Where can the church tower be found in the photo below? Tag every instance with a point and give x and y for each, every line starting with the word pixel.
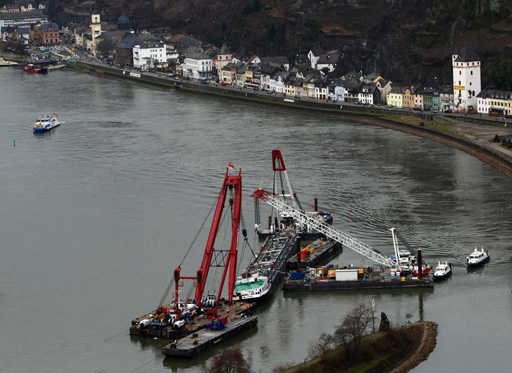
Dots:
pixel 466 79
pixel 123 26
pixel 95 28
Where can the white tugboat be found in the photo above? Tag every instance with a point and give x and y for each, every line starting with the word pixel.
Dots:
pixel 443 270
pixel 478 257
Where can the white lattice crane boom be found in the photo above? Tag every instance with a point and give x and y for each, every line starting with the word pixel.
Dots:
pixel 315 222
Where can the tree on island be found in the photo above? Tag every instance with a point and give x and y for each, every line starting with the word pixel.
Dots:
pixel 353 328
pixel 230 361
pixel 348 334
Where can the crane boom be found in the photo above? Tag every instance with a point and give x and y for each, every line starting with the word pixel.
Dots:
pixel 231 182
pixel 311 221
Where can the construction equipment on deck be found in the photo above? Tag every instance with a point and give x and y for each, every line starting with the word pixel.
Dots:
pixel 315 222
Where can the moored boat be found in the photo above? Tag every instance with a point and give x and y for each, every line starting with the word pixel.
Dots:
pixel 31 68
pixel 265 271
pixel 478 257
pixel 7 63
pixel 46 123
pixel 443 270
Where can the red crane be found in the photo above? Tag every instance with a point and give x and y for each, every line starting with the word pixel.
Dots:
pixel 219 258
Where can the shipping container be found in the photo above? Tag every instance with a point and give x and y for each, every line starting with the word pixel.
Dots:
pixel 346 274
pixel 297 275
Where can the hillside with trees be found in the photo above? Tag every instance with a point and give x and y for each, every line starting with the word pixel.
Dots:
pixel 404 40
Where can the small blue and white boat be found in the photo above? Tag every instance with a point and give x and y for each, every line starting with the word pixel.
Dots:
pixel 478 257
pixel 443 270
pixel 46 123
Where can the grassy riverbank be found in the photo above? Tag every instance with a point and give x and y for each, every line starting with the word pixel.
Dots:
pixel 397 350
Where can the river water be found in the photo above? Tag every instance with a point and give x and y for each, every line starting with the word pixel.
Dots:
pixel 96 214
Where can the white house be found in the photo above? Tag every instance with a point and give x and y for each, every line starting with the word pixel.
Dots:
pixel 466 79
pixel 197 65
pixel 328 61
pixel 149 54
pixel 483 102
pixel 314 56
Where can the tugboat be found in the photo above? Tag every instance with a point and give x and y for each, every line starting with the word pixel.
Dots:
pixel 443 270
pixel 478 257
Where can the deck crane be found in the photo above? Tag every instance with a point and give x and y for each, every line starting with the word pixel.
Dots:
pixel 282 188
pixel 215 257
pixel 316 223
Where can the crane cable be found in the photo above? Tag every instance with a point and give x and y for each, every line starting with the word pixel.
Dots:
pixel 160 304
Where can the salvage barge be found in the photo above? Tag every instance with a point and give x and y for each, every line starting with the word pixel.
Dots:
pixel 225 318
pixel 150 325
pixel 376 277
pixel 213 333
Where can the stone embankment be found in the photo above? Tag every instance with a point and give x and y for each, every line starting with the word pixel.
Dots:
pixel 427 345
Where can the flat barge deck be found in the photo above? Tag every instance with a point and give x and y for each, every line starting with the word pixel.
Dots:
pixel 198 322
pixel 208 337
pixel 316 253
pixel 383 278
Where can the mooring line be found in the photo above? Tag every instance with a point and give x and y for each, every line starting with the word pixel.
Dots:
pixel 117 335
pixel 143 365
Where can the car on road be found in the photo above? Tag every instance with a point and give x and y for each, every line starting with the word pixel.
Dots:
pixel 447 111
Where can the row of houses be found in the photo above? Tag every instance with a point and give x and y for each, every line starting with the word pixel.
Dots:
pixel 22 6
pixel 315 75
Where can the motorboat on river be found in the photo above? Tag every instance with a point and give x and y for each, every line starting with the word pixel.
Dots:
pixel 478 257
pixel 7 63
pixel 443 270
pixel 46 123
pixel 33 68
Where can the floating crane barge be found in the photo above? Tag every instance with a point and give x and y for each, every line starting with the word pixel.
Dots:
pixel 213 318
pixel 389 274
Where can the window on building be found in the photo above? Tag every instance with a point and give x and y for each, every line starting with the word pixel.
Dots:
pixel 471 72
pixel 460 72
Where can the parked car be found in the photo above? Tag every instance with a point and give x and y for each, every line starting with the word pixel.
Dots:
pixel 447 111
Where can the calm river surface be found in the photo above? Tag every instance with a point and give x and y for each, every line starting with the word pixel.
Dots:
pixel 96 214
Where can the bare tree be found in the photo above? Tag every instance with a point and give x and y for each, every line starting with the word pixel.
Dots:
pixel 230 361
pixel 353 327
pixel 324 344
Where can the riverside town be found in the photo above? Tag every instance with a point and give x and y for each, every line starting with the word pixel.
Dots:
pixel 111 145
pixel 316 75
